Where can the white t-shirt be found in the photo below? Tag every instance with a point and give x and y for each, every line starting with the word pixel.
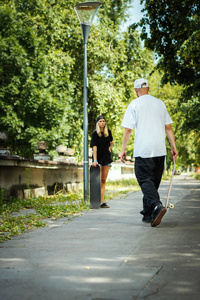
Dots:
pixel 148 115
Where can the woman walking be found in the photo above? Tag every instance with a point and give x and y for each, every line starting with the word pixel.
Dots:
pixel 102 143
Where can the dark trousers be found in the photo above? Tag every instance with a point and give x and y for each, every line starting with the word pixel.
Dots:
pixel 149 172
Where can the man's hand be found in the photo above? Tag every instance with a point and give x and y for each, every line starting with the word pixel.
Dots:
pixel 123 156
pixel 170 134
pixel 174 154
pixel 126 137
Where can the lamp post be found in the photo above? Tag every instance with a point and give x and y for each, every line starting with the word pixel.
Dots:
pixel 86 12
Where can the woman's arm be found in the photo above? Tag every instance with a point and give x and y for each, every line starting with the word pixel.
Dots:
pixel 95 162
pixel 111 145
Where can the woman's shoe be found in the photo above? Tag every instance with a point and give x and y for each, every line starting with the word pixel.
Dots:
pixel 104 205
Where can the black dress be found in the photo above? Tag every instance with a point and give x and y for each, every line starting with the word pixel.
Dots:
pixel 102 143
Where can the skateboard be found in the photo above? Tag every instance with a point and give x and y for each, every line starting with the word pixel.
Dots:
pixel 95 187
pixel 170 205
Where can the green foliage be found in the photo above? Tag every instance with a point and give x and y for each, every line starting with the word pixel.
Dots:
pixel 173 27
pixel 111 88
pixel 174 35
pixel 197 176
pixel 41 72
pixel 35 98
pixel 187 141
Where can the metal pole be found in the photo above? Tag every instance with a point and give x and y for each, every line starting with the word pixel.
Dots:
pixel 86 12
pixel 85 128
pixel 85 30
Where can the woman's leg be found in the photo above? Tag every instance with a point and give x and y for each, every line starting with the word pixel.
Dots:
pixel 104 175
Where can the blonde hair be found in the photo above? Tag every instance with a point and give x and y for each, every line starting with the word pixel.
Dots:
pixel 105 130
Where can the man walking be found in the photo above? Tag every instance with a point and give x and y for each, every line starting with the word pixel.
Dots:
pixel 149 116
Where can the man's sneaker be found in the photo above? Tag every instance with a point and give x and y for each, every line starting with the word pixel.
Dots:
pixel 147 219
pixel 157 215
pixel 104 205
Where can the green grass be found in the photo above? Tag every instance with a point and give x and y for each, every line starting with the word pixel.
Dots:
pixel 17 216
pixel 120 188
pixel 123 182
pixel 197 176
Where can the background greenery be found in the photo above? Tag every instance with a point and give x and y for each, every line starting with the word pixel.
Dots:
pixel 41 71
pixel 172 30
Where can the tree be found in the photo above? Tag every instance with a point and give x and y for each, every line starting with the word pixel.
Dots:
pixel 187 141
pixel 174 34
pixel 112 87
pixel 41 71
pixel 34 72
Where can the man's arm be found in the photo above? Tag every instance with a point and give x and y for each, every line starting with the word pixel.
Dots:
pixel 127 134
pixel 171 138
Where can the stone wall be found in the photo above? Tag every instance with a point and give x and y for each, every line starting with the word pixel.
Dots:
pixel 21 177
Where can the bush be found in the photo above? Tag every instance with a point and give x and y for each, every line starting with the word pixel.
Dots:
pixel 197 176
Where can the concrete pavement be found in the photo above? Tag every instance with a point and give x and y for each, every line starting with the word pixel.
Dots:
pixel 109 254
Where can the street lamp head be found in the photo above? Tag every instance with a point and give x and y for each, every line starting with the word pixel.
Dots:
pixel 86 11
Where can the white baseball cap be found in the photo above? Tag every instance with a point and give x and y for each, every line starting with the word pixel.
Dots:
pixel 139 82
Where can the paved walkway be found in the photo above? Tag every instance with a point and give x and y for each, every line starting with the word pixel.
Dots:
pixel 109 254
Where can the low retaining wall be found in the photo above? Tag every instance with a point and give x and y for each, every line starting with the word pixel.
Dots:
pixel 21 177
pixel 120 170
